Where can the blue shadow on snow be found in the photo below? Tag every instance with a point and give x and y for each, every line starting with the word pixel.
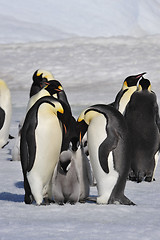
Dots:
pixel 11 197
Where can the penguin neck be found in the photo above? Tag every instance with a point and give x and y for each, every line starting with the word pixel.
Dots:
pixel 126 98
pixel 37 96
pixel 5 95
pixel 46 108
pixel 90 115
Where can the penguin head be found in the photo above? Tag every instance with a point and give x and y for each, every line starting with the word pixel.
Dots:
pixel 3 85
pixel 82 126
pixel 53 87
pixel 65 161
pixel 132 81
pixel 84 120
pixel 57 106
pixel 144 84
pixel 41 76
pixel 59 109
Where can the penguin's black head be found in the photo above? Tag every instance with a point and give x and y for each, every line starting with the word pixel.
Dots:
pixel 82 127
pixel 64 166
pixel 41 76
pixel 144 84
pixel 53 87
pixel 133 80
pixel 38 78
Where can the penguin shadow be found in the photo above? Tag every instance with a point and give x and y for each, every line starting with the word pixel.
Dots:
pixel 91 199
pixel 11 197
pixel 19 184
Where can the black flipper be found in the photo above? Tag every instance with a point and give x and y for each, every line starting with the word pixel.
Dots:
pixel 2 117
pixel 28 144
pixel 117 99
pixel 108 145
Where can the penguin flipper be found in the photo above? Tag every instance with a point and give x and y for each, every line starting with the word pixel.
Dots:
pixel 2 117
pixel 24 152
pixel 108 145
pixel 28 148
pixel 157 117
pixel 115 104
pixel 31 144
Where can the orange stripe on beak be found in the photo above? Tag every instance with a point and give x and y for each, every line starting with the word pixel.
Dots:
pixel 65 129
pixel 80 137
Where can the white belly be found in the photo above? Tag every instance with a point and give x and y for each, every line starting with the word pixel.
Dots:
pixel 105 182
pixel 48 145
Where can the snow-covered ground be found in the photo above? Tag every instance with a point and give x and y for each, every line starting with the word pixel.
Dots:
pixel 91 66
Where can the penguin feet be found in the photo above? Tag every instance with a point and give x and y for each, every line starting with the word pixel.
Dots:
pixel 92 199
pixel 28 199
pixel 149 179
pixel 47 201
pixel 139 176
pixel 82 200
pixel 72 202
pixel 61 203
pixel 132 176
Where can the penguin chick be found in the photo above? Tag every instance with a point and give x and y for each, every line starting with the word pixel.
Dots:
pixel 5 113
pixel 142 117
pixel 40 77
pixel 66 185
pixel 128 88
pixel 84 171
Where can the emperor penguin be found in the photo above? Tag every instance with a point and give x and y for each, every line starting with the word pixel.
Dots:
pixel 40 78
pixel 40 146
pixel 128 88
pixel 108 146
pixel 142 117
pixel 66 183
pixel 5 113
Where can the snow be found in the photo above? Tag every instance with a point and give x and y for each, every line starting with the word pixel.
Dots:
pixel 90 48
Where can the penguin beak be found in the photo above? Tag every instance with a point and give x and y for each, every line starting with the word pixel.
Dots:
pixel 61 110
pixel 140 75
pixel 46 84
pixel 59 89
pixel 80 138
